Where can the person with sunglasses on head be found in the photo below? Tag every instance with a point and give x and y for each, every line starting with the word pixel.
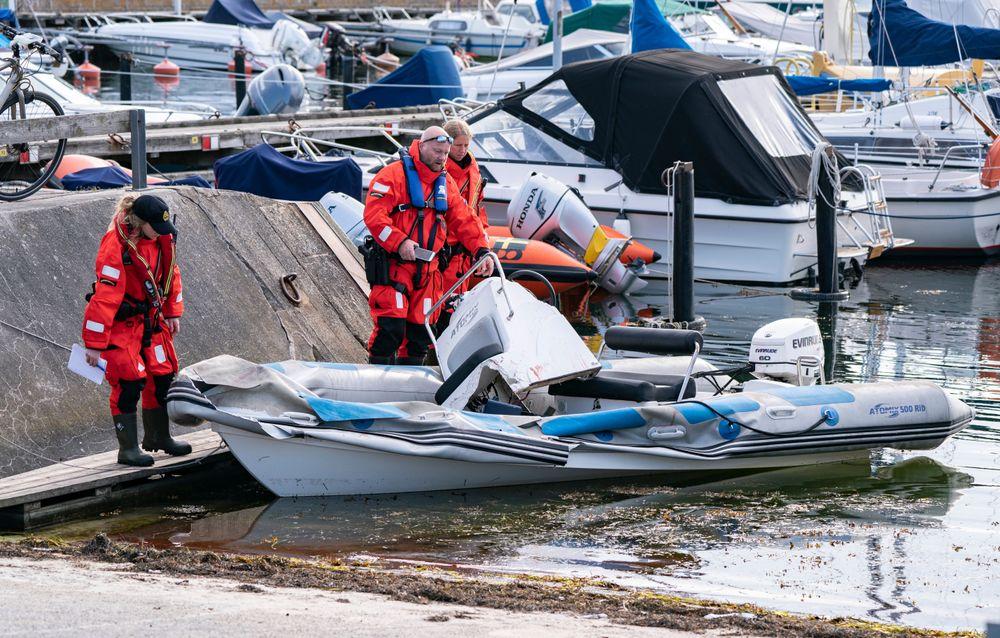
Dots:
pixel 130 321
pixel 412 206
pixel 463 168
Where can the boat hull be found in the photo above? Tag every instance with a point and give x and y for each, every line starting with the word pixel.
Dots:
pixel 305 467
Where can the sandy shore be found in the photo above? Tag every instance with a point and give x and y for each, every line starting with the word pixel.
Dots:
pixel 109 589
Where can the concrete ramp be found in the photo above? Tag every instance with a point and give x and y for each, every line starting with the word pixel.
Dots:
pixel 234 250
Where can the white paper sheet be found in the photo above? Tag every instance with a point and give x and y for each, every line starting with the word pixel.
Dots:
pixel 78 364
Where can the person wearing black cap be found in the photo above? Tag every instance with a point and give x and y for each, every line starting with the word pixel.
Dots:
pixel 131 318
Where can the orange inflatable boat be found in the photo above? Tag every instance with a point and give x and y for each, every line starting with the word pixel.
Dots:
pixel 562 270
pixel 635 250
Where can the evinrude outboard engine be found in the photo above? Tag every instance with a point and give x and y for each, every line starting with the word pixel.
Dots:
pixel 546 209
pixel 291 42
pixel 277 90
pixel 788 350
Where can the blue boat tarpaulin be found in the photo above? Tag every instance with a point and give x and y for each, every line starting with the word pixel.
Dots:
pixel 104 177
pixel 7 16
pixel 427 77
pixel 808 85
pixel 900 36
pixel 543 13
pixel 579 5
pixel 242 12
pixel 264 171
pixel 650 30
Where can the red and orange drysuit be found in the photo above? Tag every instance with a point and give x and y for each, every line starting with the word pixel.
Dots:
pixel 470 186
pixel 138 287
pixel 398 309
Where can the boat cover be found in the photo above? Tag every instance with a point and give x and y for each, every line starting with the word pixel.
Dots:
pixel 427 77
pixel 650 30
pixel 104 177
pixel 749 138
pixel 900 36
pixel 242 12
pixel 811 85
pixel 614 16
pixel 264 171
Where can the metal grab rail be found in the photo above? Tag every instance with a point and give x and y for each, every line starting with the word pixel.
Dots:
pixel 944 159
pixel 471 271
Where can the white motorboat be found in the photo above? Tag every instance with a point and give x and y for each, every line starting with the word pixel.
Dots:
pixel 320 429
pixel 481 32
pixel 75 101
pixel 749 139
pixel 709 34
pixel 486 82
pixel 930 152
pixel 209 44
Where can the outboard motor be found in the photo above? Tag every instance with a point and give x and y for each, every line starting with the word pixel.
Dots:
pixel 546 209
pixel 277 90
pixel 290 41
pixel 348 213
pixel 788 350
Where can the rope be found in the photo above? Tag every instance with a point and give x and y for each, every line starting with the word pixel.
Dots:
pixel 503 42
pixel 36 336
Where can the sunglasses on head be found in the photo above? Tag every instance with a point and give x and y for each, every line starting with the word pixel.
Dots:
pixel 440 138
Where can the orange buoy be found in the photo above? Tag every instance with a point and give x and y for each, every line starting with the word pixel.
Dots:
pixel 562 270
pixel 247 68
pixel 167 75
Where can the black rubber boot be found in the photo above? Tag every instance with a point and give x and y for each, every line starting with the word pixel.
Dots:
pixel 411 361
pixel 156 433
pixel 126 429
pixel 381 361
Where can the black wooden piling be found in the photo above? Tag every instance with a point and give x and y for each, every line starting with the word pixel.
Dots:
pixel 827 277
pixel 125 78
pixel 239 71
pixel 682 261
pixel 347 71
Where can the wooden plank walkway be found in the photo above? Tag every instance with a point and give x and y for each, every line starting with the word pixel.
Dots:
pixel 58 492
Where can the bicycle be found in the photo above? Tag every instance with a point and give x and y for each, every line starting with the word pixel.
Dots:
pixel 26 166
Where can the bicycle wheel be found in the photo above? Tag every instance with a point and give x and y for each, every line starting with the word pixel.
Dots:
pixel 25 167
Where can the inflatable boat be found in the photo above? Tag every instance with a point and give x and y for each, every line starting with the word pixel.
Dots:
pixel 518 399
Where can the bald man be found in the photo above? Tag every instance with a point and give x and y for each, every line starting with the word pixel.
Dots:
pixel 412 206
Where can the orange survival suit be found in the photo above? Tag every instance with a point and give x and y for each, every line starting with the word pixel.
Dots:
pixel 470 187
pixel 394 211
pixel 138 286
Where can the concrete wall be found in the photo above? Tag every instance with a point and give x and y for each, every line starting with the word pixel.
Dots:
pixel 233 250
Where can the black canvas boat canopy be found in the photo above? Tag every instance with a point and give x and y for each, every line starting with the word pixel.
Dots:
pixel 750 140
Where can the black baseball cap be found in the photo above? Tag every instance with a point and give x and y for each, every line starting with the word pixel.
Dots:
pixel 153 210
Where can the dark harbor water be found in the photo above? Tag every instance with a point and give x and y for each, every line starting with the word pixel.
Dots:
pixel 911 538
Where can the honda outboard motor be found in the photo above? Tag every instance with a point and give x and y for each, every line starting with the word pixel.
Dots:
pixel 548 210
pixel 290 41
pixel 277 90
pixel 788 350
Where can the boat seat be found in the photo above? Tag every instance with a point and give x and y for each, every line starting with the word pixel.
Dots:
pixel 659 341
pixel 606 385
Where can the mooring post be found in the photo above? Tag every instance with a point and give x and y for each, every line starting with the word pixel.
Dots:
pixel 682 263
pixel 333 62
pixel 826 245
pixel 347 73
pixel 240 72
pixel 137 139
pixel 125 77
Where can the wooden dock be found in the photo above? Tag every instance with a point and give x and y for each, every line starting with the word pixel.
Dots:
pixel 75 487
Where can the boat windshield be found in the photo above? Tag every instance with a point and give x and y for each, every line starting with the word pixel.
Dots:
pixel 556 104
pixel 777 122
pixel 501 136
pixel 579 54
